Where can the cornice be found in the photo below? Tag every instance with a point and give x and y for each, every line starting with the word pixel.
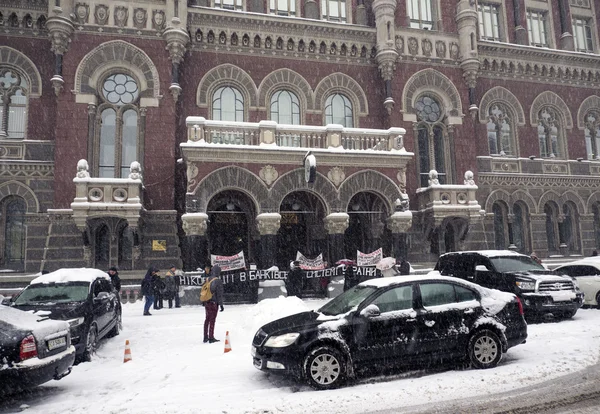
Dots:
pixel 536 181
pixel 26 169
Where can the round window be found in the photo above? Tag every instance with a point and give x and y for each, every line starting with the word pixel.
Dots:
pixel 428 109
pixel 120 89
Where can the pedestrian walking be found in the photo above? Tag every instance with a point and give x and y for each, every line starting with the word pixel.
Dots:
pixel 172 287
pixel 113 272
pixel 211 297
pixel 147 290
pixel 158 287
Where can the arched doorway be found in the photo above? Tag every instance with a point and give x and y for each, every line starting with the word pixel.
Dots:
pixel 366 230
pixel 301 228
pixel 12 221
pixel 231 217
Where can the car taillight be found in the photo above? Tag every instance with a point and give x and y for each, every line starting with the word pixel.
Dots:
pixel 520 306
pixel 28 348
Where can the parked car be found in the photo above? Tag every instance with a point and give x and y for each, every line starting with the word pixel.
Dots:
pixel 33 350
pixel 392 322
pixel 83 297
pixel 587 274
pixel 541 291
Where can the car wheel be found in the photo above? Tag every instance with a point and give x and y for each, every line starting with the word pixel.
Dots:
pixel 485 349
pixel 90 343
pixel 325 368
pixel 117 328
pixel 568 314
pixel 598 300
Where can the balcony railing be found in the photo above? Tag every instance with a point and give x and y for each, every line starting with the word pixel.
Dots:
pixel 267 133
pixel 537 165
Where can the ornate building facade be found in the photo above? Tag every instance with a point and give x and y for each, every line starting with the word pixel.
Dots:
pixel 146 132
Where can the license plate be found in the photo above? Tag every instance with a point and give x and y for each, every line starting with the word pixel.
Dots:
pixel 57 343
pixel 253 351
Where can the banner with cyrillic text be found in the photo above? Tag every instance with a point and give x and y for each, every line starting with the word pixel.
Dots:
pixel 369 259
pixel 227 263
pixel 310 264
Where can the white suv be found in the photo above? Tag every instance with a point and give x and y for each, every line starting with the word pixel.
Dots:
pixel 587 273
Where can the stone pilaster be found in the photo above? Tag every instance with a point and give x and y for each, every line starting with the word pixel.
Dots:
pixel 399 224
pixel 387 55
pixel 195 226
pixel 268 225
pixel 466 20
pixel 177 40
pixel 60 29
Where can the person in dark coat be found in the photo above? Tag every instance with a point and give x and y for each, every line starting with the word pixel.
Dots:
pixel 404 267
pixel 212 306
pixel 148 290
pixel 171 288
pixel 350 277
pixel 158 286
pixel 294 280
pixel 113 272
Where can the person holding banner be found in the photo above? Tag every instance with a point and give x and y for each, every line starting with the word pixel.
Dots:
pixel 212 305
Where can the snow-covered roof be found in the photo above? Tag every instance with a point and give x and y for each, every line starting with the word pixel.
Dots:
pixel 71 275
pixel 491 253
pixel 40 327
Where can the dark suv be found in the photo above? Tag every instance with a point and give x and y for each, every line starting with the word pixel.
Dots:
pixel 83 297
pixel 542 291
pixel 389 322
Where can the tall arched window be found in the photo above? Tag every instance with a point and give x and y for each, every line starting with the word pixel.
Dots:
pixel 119 130
pixel 499 130
pixel 520 227
pixel 285 108
pixel 13 221
pixel 592 134
pixel 570 228
pixel 501 232
pixel 228 105
pixel 552 233
pixel 13 103
pixel 431 139
pixel 102 247
pixel 596 210
pixel 549 133
pixel 338 110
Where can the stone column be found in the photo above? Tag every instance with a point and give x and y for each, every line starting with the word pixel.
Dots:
pixel 336 224
pixel 177 40
pixel 511 237
pixel 384 11
pixel 399 223
pixel 268 225
pixel 195 226
pixel 60 29
pixel 520 22
pixel 566 38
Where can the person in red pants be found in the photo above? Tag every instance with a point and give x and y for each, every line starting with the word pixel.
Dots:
pixel 212 301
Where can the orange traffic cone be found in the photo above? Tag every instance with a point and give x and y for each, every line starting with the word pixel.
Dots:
pixel 127 356
pixel 227 343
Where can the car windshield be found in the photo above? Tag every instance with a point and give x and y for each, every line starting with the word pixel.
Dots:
pixel 516 264
pixel 348 300
pixel 54 293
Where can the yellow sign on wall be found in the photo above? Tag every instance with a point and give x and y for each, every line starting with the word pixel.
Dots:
pixel 159 245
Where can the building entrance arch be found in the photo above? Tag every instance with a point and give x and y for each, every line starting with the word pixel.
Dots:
pixel 366 230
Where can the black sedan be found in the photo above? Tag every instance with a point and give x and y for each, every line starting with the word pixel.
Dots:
pixel 33 350
pixel 389 322
pixel 85 298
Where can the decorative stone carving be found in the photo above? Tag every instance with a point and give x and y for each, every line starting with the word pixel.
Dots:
pixel 401 176
pixel 413 46
pixel 83 169
pixel 454 50
pixel 268 223
pixel 268 174
pixel 433 178
pixel 427 47
pixel 158 19
pixel 400 45
pixel 194 224
pixel 337 223
pixel 135 171
pixel 101 14
pixel 469 178
pixel 121 16
pixel 192 173
pixel 82 13
pixel 336 175
pixel 140 17
pixel 440 49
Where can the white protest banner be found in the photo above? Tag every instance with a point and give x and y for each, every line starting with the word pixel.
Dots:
pixel 310 264
pixel 369 259
pixel 229 262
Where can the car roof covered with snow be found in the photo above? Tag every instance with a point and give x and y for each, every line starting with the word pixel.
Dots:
pixel 70 275
pixel 490 253
pixel 38 325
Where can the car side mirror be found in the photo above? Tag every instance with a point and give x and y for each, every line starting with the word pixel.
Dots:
pixel 370 311
pixel 102 296
pixel 481 268
pixel 6 301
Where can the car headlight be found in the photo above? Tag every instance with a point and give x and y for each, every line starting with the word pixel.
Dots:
pixel 73 323
pixel 281 341
pixel 525 285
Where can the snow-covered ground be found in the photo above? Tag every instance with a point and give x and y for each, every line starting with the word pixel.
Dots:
pixel 172 371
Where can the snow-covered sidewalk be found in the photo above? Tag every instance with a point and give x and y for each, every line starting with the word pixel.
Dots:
pixel 172 371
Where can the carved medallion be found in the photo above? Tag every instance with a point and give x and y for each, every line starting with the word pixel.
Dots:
pixel 400 45
pixel 101 14
pixel 454 50
pixel 336 175
pixel 427 47
pixel 121 15
pixel 140 16
pixel 268 174
pixel 440 49
pixel 413 46
pixel 158 19
pixel 192 172
pixel 82 13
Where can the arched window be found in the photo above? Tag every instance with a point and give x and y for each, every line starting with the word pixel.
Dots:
pixel 285 108
pixel 13 222
pixel 119 130
pixel 520 228
pixel 13 103
pixel 570 228
pixel 102 247
pixel 552 233
pixel 592 134
pixel 126 242
pixel 501 231
pixel 499 130
pixel 549 133
pixel 228 105
pixel 596 210
pixel 431 140
pixel 338 110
